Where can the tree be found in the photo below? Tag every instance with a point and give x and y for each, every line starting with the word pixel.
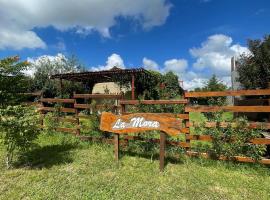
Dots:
pixel 18 130
pixel 158 86
pixel 18 124
pixel 12 81
pixel 213 84
pixel 254 69
pixel 45 66
pixel 171 85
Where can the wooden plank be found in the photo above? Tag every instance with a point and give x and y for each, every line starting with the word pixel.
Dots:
pixel 236 158
pixel 227 108
pixel 54 100
pixel 139 122
pixel 83 106
pixel 104 106
pixel 228 93
pixel 253 125
pixel 162 151
pixel 181 116
pixel 69 130
pixel 52 109
pixel 97 96
pixel 116 147
pixel 32 93
pixel 152 102
pixel 263 141
pixel 99 106
pixel 46 109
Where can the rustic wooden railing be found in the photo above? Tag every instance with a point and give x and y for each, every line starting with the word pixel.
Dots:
pixel 244 109
pixel 75 107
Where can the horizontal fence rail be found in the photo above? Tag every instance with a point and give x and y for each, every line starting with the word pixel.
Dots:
pixel 98 96
pixel 56 100
pixel 255 109
pixel 228 93
pixel 254 125
pixel 265 141
pixel 74 107
pixel 152 102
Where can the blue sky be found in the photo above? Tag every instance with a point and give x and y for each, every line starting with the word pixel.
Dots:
pixel 193 38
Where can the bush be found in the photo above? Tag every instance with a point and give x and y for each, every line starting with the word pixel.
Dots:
pixel 18 129
pixel 233 140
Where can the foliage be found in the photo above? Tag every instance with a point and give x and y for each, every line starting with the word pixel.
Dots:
pixel 51 119
pixel 12 81
pixel 254 68
pixel 171 86
pixel 174 108
pixel 19 127
pixel 44 68
pixel 154 85
pixel 232 140
pixel 213 84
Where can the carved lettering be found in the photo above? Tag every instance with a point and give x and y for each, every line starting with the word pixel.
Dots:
pixel 135 122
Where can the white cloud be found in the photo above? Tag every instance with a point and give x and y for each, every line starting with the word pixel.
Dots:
pixel 194 83
pixel 215 54
pixel 113 60
pixel 176 65
pixel 18 39
pixel 150 64
pixel 84 16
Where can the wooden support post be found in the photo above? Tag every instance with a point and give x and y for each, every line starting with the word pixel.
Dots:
pixel 133 86
pixel 116 147
pixel 78 131
pixel 162 151
pixel 187 121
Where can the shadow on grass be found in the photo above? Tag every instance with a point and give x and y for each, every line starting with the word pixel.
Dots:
pixel 46 156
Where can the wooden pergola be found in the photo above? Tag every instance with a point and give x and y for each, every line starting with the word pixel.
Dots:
pixel 90 78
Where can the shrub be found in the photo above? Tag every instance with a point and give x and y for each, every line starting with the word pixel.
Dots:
pixel 18 129
pixel 233 140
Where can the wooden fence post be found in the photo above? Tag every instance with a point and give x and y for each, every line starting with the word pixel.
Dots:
pixel 116 147
pixel 78 131
pixel 162 151
pixel 187 122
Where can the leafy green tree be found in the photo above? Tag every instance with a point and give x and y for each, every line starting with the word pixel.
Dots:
pixel 18 124
pixel 44 68
pixel 18 130
pixel 254 69
pixel 158 86
pixel 213 84
pixel 171 86
pixel 12 81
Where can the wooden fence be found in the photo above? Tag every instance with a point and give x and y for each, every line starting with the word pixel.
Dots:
pixel 242 109
pixel 74 107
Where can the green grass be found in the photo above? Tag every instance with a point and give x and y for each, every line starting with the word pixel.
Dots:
pixel 65 168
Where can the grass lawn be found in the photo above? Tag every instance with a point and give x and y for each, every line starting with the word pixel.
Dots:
pixel 65 168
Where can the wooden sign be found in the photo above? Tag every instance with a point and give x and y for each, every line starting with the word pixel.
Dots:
pixel 138 122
